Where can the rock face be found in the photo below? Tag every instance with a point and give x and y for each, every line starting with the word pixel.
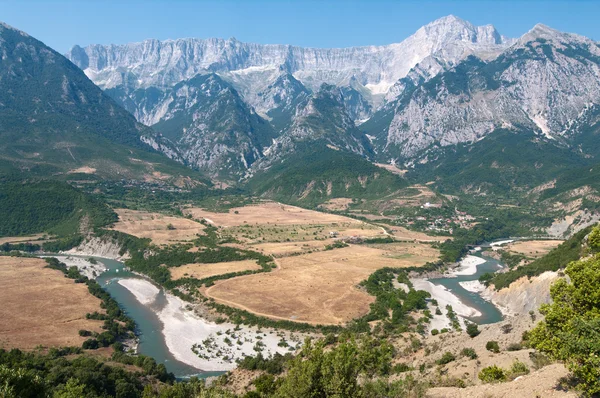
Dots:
pixel 546 82
pixel 212 127
pixel 449 84
pixel 154 63
pixel 54 119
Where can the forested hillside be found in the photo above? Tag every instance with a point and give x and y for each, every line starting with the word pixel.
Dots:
pixel 28 207
pixel 317 173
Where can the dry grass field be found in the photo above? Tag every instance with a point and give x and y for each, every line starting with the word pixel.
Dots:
pixel 320 287
pixel 155 226
pixel 268 213
pixel 22 239
pixel 533 248
pixel 402 233
pixel 201 271
pixel 284 249
pixel 42 307
pixel 336 204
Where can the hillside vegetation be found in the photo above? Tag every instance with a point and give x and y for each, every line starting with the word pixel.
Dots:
pixel 48 206
pixel 316 174
pixel 558 258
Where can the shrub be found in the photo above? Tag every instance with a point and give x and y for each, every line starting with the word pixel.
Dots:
pixel 514 347
pixel 446 358
pixel 539 360
pixel 473 329
pixel 517 369
pixel 85 333
pixel 435 332
pixel 401 368
pixel 492 374
pixel 444 330
pixel 506 328
pixel 492 346
pixel 90 344
pixel 469 353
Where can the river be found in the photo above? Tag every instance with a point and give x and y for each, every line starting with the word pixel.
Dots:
pixel 149 328
pixel 489 312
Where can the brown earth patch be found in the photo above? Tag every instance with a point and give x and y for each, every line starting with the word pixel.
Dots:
pixel 533 248
pixel 21 239
pixel 267 213
pixel 155 226
pixel 336 204
pixel 318 288
pixel 40 306
pixel 200 271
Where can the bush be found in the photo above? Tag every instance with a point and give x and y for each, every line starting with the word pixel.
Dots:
pixel 446 358
pixel 85 333
pixel 90 344
pixel 492 374
pixel 539 360
pixel 435 332
pixel 506 328
pixel 473 329
pixel 401 368
pixel 514 347
pixel 517 369
pixel 469 353
pixel 492 346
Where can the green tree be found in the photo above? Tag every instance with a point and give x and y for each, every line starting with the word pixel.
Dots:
pixel 570 330
pixel 73 389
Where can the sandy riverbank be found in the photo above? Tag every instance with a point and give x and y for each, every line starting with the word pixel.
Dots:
pixel 487 294
pixel 444 297
pixel 206 345
pixel 144 291
pixel 468 266
pixel 84 266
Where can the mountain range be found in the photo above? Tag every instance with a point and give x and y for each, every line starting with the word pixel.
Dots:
pixel 454 104
pixel 234 109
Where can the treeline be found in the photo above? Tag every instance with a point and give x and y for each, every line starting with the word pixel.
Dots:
pixel 32 375
pixel 557 258
pixel 569 330
pixel 388 300
pixel 454 249
pixel 117 325
pixel 28 207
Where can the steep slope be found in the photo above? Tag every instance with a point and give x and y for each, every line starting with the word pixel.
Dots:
pixel 212 126
pixel 251 67
pixel 316 173
pixel 280 100
pixel 322 120
pixel 54 120
pixel 545 82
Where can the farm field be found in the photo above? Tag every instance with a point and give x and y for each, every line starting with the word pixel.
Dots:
pixel 22 239
pixel 320 287
pixel 533 248
pixel 42 307
pixel 200 271
pixel 159 228
pixel 267 213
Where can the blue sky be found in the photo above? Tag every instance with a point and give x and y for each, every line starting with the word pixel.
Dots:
pixel 61 24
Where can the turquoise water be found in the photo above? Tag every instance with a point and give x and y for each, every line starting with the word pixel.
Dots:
pixel 149 327
pixel 490 313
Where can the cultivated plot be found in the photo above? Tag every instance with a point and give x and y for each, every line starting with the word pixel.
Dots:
pixel 42 307
pixel 161 229
pixel 320 287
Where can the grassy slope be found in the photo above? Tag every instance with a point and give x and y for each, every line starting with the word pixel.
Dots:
pixel 558 258
pixel 321 167
pixel 47 206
